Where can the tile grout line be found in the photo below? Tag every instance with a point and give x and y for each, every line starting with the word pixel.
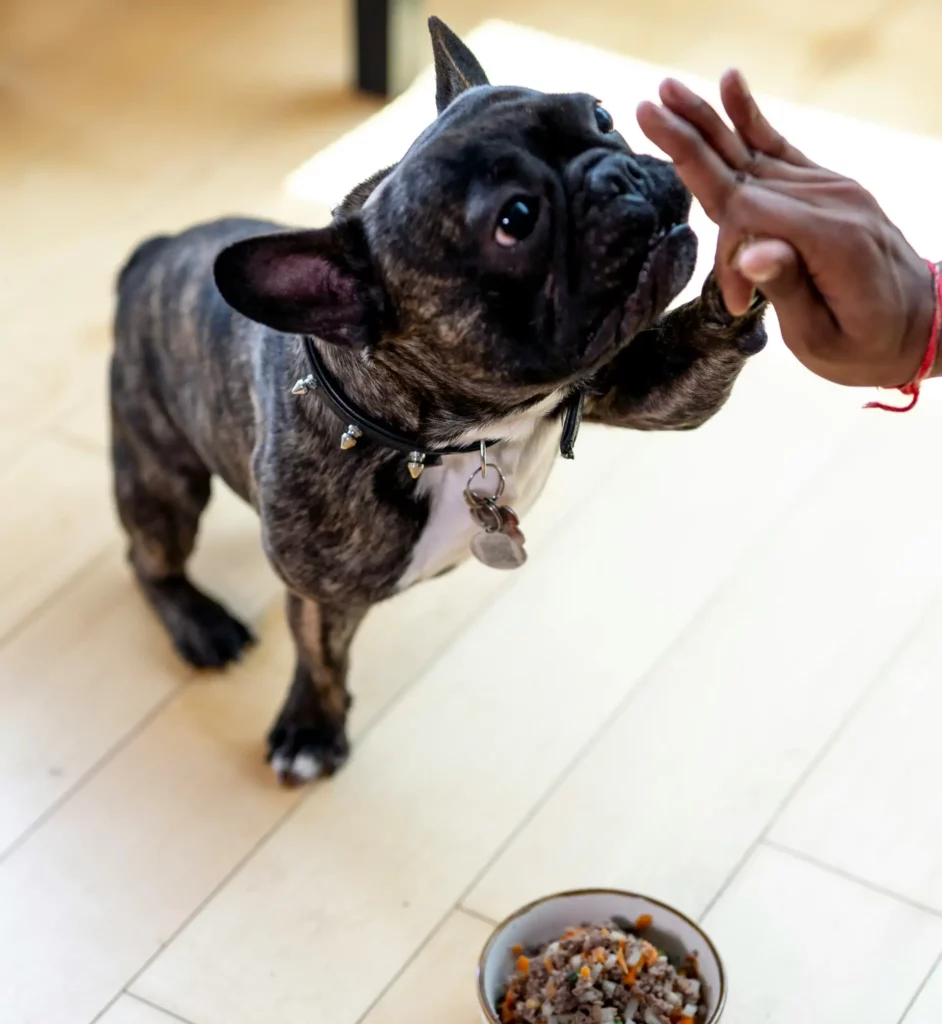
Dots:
pixel 847 876
pixel 153 1006
pixel 93 770
pixel 758 544
pixel 920 989
pixel 855 707
pixel 35 612
pixel 476 914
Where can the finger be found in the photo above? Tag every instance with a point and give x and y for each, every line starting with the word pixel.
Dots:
pixel 700 168
pixel 694 109
pixel 752 124
pixel 765 260
pixel 808 326
pixel 754 210
pixel 738 292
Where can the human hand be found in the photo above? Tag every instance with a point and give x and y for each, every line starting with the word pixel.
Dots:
pixel 854 300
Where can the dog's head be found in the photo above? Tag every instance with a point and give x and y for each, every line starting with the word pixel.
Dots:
pixel 514 249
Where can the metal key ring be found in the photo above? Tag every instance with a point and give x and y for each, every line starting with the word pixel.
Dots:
pixel 486 510
pixel 474 495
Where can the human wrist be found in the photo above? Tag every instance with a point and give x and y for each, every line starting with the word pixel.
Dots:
pixel 936 370
pixel 922 315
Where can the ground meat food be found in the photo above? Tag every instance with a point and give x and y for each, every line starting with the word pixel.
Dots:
pixel 605 974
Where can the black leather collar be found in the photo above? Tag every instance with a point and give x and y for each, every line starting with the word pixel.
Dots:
pixel 360 424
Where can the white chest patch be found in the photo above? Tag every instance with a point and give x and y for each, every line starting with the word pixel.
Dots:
pixel 525 458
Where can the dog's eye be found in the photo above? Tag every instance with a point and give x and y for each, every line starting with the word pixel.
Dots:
pixel 604 119
pixel 516 221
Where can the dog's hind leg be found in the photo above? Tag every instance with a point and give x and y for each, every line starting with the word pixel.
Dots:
pixel 161 488
pixel 309 736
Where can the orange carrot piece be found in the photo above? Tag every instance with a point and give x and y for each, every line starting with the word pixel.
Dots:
pixel 585 972
pixel 644 921
pixel 685 1020
pixel 523 965
pixel 517 950
pixel 622 962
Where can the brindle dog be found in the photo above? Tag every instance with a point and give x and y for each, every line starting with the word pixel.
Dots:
pixel 519 251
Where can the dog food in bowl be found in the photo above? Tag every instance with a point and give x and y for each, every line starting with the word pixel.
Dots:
pixel 604 974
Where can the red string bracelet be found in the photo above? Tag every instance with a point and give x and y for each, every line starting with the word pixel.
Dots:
pixel 928 360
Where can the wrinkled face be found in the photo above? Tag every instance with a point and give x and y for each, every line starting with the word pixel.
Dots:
pixel 516 247
pixel 520 235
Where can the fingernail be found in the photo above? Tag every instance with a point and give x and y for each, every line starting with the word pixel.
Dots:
pixel 755 265
pixel 758 275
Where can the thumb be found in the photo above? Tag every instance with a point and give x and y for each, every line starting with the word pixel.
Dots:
pixel 776 269
pixel 770 264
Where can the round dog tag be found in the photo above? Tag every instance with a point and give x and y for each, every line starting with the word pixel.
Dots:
pixel 498 550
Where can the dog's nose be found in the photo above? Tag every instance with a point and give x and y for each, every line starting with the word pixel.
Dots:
pixel 616 174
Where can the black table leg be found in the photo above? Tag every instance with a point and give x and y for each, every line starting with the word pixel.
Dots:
pixel 389 34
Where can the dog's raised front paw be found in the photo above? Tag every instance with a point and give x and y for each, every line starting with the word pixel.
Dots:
pixel 752 338
pixel 302 753
pixel 717 326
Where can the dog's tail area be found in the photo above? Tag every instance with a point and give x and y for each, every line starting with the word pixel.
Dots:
pixel 149 247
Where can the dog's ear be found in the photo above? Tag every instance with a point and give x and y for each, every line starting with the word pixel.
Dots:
pixel 305 282
pixel 456 67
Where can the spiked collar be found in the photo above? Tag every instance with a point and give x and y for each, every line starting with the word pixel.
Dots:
pixel 361 425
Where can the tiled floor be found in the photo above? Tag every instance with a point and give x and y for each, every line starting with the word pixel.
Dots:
pixel 717 681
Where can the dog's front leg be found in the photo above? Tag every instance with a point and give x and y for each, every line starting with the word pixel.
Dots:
pixel 309 736
pixel 678 373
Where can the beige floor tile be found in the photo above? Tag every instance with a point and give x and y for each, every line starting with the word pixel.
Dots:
pixel 871 808
pixel 795 937
pixel 60 519
pixel 439 984
pixel 128 1010
pixel 760 679
pixel 112 666
pixel 72 684
pixel 172 814
pixel 927 1008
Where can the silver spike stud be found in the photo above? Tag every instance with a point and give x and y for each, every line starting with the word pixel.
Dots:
pixel 416 464
pixel 304 385
pixel 350 437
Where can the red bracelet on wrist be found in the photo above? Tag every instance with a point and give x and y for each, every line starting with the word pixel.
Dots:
pixel 928 360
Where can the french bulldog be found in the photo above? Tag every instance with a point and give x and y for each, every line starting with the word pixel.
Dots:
pixel 520 256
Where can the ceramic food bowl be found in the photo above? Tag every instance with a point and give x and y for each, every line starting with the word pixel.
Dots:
pixel 546 919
